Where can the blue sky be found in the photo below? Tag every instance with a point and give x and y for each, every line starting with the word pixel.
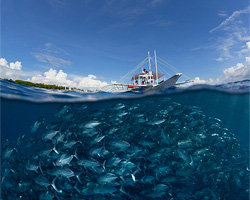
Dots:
pixel 102 40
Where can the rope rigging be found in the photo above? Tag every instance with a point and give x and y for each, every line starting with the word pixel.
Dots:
pixel 134 69
pixel 146 60
pixel 170 66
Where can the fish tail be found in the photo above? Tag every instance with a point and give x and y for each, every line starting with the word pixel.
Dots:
pixel 76 156
pixel 75 186
pixel 54 185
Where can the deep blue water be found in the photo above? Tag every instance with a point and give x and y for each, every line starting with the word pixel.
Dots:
pixel 190 143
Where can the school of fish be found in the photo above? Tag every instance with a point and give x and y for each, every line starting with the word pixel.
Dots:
pixel 155 149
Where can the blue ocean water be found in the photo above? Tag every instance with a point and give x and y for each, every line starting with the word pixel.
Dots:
pixel 189 143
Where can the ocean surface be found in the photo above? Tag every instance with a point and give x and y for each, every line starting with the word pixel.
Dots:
pixel 181 143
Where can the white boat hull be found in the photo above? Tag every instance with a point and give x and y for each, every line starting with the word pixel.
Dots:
pixel 161 86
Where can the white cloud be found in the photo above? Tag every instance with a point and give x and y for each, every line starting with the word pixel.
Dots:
pixel 248 45
pixel 210 81
pixel 231 19
pixel 52 76
pixel 52 60
pixel 90 81
pixel 235 32
pixel 6 72
pixel 239 72
pixel 222 13
pixel 51 54
pixel 236 73
pixel 61 78
pixel 3 62
pixel 220 59
pixel 17 65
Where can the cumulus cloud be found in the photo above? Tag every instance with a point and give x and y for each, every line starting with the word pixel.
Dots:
pixel 239 72
pixel 14 74
pixel 11 71
pixel 248 45
pixel 17 65
pixel 53 77
pixel 3 62
pixel 90 81
pixel 210 81
pixel 14 71
pixel 62 78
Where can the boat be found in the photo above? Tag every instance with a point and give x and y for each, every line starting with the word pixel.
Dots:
pixel 147 80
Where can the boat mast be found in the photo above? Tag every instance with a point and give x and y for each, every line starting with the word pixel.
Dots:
pixel 156 68
pixel 149 65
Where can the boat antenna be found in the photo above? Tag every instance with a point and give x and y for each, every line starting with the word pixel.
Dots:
pixel 149 65
pixel 156 68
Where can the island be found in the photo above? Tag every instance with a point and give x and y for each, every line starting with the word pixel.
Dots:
pixel 42 85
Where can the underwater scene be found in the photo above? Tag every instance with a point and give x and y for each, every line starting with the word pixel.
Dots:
pixel 179 144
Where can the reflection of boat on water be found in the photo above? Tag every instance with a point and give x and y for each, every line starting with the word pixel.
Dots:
pixel 147 80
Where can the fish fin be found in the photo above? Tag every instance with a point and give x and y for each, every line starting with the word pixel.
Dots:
pixel 133 177
pixel 78 177
pixel 122 178
pixel 103 165
pixel 54 149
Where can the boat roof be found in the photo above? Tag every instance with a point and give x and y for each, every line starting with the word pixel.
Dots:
pixel 136 76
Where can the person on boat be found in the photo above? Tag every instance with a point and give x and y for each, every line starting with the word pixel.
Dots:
pixel 135 83
pixel 144 71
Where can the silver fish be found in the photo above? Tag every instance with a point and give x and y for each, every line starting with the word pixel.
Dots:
pixel 64 160
pixel 88 163
pixel 106 178
pixel 92 124
pixel 50 134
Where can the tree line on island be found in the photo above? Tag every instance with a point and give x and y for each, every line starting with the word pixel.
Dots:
pixel 42 85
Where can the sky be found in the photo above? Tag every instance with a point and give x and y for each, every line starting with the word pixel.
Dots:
pixel 90 43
